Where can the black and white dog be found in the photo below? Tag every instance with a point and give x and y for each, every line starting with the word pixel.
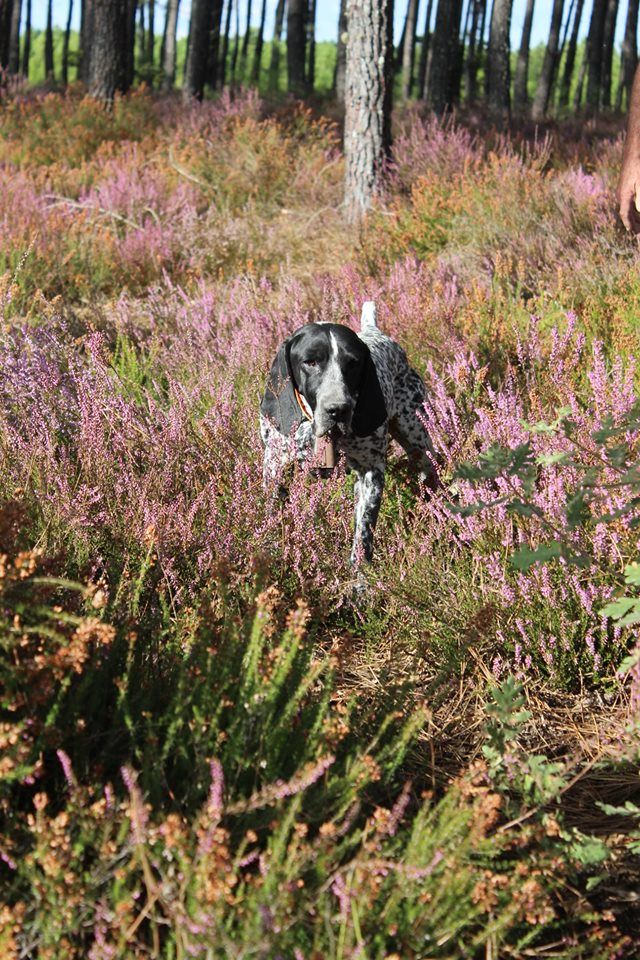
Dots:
pixel 357 390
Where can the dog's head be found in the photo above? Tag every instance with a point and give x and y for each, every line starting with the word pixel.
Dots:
pixel 324 371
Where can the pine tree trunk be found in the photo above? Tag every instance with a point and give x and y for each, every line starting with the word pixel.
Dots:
pixel 14 37
pixel 108 49
pixel 444 54
pixel 341 54
pixel 498 71
pixel 629 53
pixel 245 42
pixel 543 90
pixel 6 9
pixel 26 53
pixel 131 42
pixel 169 45
pixel 48 45
pixel 213 56
pixel 594 55
pixel 142 35
pixel 196 66
pixel 257 55
pixel 151 33
pixel 236 48
pixel 473 54
pixel 296 47
pixel 367 101
pixel 570 59
pixel 424 51
pixel 225 45
pixel 274 65
pixel 520 94
pixel 65 46
pixel 608 34
pixel 409 48
pixel 311 47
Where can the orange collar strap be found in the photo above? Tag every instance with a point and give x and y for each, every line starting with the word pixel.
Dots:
pixel 304 406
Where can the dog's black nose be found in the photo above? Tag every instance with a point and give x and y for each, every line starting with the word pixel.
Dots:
pixel 338 411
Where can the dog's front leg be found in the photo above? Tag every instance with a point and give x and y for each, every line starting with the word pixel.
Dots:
pixel 368 493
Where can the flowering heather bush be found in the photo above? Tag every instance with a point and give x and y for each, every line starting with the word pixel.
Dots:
pixel 212 748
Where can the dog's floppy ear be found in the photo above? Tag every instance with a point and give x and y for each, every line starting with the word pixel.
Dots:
pixel 371 411
pixel 279 403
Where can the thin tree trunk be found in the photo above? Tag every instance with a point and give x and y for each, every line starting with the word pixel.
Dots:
pixel 65 46
pixel 456 82
pixel 169 45
pixel 14 37
pixel 26 53
pixel 296 46
pixel 594 54
pixel 213 55
pixel 570 59
pixel 257 55
pixel 132 6
pixel 409 48
pixel 577 97
pixel 197 53
pixel 236 47
pixel 424 51
pixel 367 101
pixel 341 54
pixel 48 45
pixel 245 42
pixel 225 45
pixel 607 52
pixel 545 82
pixel 444 53
pixel 498 71
pixel 475 49
pixel 274 65
pixel 311 47
pixel 520 93
pixel 151 33
pixel 142 35
pixel 6 10
pixel 629 53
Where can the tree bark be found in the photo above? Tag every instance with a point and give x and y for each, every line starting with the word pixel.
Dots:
pixel 14 37
pixel 108 49
pixel 169 45
pixel 245 42
pixel 594 55
pixel 520 94
pixel 607 52
pixel 195 71
pixel 236 47
pixel 257 55
pixel 367 102
pixel 26 53
pixel 570 59
pixel 6 10
pixel 274 65
pixel 213 56
pixel 341 54
pixel 65 46
pixel 543 90
pixel 629 58
pixel 424 51
pixel 296 47
pixel 225 46
pixel 311 47
pixel 472 62
pixel 151 33
pixel 444 54
pixel 498 71
pixel 409 48
pixel 48 45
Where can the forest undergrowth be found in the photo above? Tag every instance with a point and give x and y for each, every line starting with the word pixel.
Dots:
pixel 212 746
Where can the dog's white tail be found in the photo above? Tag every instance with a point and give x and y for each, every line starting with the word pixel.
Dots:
pixel 368 318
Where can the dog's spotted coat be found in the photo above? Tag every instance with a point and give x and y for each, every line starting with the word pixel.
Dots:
pixel 360 389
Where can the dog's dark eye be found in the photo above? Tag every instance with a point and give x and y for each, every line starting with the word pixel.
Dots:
pixel 310 363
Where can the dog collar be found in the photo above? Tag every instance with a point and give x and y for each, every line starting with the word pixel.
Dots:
pixel 304 406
